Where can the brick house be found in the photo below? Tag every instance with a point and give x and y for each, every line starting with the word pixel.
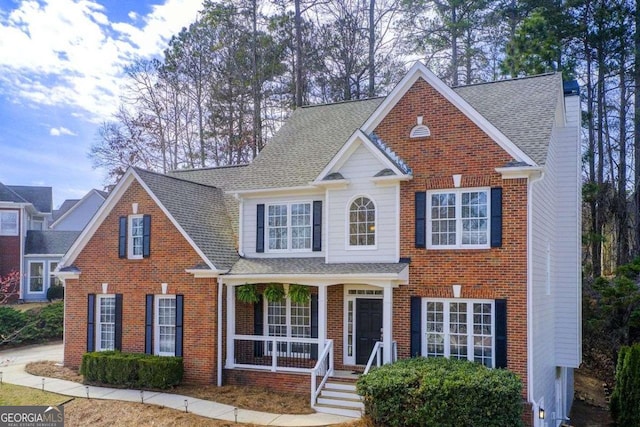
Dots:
pixel 434 221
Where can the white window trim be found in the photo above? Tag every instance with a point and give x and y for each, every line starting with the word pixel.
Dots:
pixel 288 327
pixel 37 221
pixel 446 333
pixel 348 245
pixel 17 216
pixel 156 326
pixel 130 254
pixel 98 324
pixel 51 270
pixel 289 234
pixel 458 192
pixel 44 275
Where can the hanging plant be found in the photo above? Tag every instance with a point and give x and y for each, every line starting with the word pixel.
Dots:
pixel 274 292
pixel 299 294
pixel 247 293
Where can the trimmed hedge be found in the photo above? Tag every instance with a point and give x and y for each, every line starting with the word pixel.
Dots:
pixel 55 292
pixel 441 392
pixel 132 369
pixel 625 399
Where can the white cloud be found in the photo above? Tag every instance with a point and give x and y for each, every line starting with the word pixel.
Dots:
pixel 69 53
pixel 61 131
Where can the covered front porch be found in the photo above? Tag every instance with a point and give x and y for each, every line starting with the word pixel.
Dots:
pixel 345 324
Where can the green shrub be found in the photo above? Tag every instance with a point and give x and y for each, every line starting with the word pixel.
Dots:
pixel 55 292
pixel 131 369
pixel 50 321
pixel 441 392
pixel 625 399
pixel 160 372
pixel 11 321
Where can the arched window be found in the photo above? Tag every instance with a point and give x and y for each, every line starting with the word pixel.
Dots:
pixel 362 222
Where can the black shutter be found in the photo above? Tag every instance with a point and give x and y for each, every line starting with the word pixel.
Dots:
pixel 421 219
pixel 91 325
pixel 317 225
pixel 501 333
pixel 179 320
pixel 496 217
pixel 146 236
pixel 258 326
pixel 416 326
pixel 260 228
pixel 148 325
pixel 117 344
pixel 122 238
pixel 314 324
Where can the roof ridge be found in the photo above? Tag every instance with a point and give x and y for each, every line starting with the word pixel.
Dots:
pixel 513 79
pixel 174 178
pixel 209 168
pixel 346 101
pixel 8 187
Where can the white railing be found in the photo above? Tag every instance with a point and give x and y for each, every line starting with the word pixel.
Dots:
pixel 275 353
pixel 376 354
pixel 324 368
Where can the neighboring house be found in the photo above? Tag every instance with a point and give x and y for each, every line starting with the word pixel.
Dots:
pixel 28 245
pixel 22 209
pixel 435 221
pixel 73 215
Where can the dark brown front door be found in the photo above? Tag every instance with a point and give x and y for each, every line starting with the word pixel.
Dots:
pixel 368 325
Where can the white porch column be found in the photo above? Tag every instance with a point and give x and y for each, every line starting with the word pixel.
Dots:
pixel 322 317
pixel 231 325
pixel 387 324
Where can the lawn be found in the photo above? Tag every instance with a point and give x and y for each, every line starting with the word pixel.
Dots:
pixel 15 395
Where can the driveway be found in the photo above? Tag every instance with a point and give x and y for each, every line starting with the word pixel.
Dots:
pixel 32 353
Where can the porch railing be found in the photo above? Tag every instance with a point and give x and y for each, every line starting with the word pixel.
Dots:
pixel 324 369
pixel 376 354
pixel 275 353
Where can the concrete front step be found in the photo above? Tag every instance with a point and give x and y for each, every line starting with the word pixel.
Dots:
pixel 333 385
pixel 347 403
pixel 338 410
pixel 340 394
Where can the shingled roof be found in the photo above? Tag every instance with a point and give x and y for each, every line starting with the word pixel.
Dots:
pixel 200 211
pixel 40 197
pixel 49 242
pixel 266 266
pixel 522 109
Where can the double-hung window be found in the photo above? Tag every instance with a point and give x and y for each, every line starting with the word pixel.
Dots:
pixel 36 277
pixel 9 223
pixel 460 329
pixel 106 323
pixel 289 319
pixel 289 227
pixel 53 279
pixel 458 219
pixel 165 322
pixel 362 223
pixel 136 228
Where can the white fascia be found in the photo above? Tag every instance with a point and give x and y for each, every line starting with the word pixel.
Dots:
pixel 530 172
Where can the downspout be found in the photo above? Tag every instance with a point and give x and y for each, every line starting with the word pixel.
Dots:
pixel 219 344
pixel 22 234
pixel 531 181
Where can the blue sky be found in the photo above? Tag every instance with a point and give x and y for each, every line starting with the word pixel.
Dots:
pixel 61 65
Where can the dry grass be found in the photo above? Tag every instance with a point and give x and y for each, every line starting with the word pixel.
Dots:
pixel 254 398
pixel 29 305
pixel 16 395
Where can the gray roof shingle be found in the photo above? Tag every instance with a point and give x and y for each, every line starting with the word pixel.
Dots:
pixel 522 109
pixel 49 242
pixel 200 211
pixel 8 195
pixel 64 208
pixel 40 197
pixel 265 266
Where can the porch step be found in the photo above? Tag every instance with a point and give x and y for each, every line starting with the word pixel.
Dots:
pixel 339 397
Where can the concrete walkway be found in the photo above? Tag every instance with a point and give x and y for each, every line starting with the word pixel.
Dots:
pixel 13 362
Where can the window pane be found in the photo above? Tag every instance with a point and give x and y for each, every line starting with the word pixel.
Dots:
pixel 9 223
pixel 482 338
pixel 443 223
pixel 301 226
pixel 362 222
pixel 36 277
pixel 458 330
pixel 277 224
pixel 136 236
pixel 435 329
pixel 106 322
pixel 167 325
pixel 474 218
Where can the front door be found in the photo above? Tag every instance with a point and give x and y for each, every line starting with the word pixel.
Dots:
pixel 368 326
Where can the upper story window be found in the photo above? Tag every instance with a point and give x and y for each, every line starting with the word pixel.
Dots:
pixel 37 224
pixel 9 223
pixel 362 223
pixel 289 227
pixel 458 219
pixel 134 236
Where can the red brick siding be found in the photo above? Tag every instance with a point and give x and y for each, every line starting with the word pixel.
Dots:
pixel 171 254
pixel 277 381
pixel 458 146
pixel 10 250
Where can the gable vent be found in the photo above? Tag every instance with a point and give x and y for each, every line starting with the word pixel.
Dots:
pixel 420 130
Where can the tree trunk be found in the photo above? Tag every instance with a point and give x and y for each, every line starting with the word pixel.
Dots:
pixel 372 42
pixel 298 54
pixel 622 248
pixel 454 46
pixel 636 126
